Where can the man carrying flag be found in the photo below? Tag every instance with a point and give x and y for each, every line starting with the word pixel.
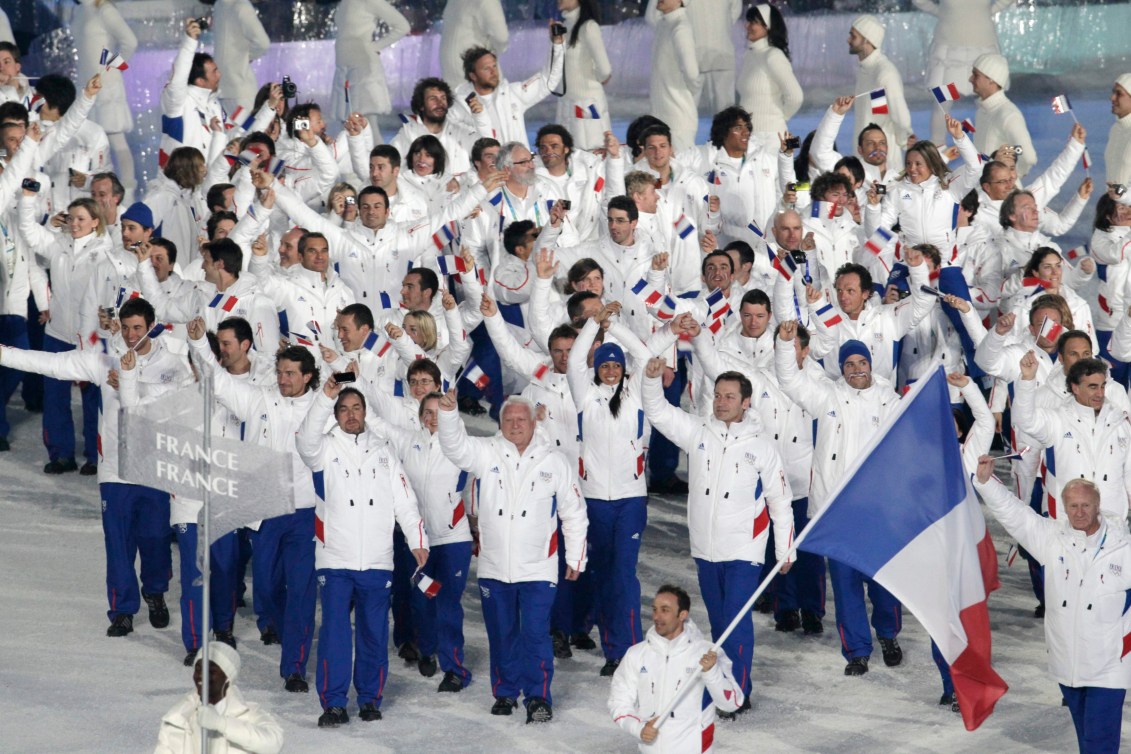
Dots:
pixel 1087 566
pixel 849 413
pixel 927 522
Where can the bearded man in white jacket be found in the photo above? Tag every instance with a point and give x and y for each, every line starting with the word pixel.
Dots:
pixel 675 651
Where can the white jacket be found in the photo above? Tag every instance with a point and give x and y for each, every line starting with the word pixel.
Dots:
pixel 363 493
pixel 613 448
pixel 304 297
pixel 270 419
pixel 20 275
pixel 880 327
pixel 749 186
pixel 675 74
pixel 847 419
pixel 468 23
pixel 1086 616
pixel 925 211
pixel 519 499
pixel 506 107
pixel 728 509
pixel 187 110
pixel 95 27
pixel 438 483
pixel 1111 249
pixel 179 213
pixel 70 261
pixel 249 729
pixel 158 373
pixel 239 38
pixel 1079 444
pixel 785 422
pixel 653 672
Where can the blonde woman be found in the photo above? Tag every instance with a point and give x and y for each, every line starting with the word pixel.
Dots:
pixel 70 256
pixel 418 339
pixel 97 25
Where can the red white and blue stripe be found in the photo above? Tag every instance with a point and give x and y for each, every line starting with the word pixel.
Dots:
pixel 683 227
pixel 588 112
pixel 223 302
pixel 879 101
pixel 945 92
pixel 113 60
pixel 879 240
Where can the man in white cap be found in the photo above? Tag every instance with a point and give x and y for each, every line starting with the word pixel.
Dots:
pixel 878 72
pixel 998 120
pixel 242 726
pixel 1117 155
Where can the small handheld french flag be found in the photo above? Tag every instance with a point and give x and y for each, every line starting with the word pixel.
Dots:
pixel 968 127
pixel 347 93
pixel 878 240
pixel 113 60
pixel 823 210
pixel 226 303
pixel 315 329
pixel 276 166
pixel 717 304
pixel 1060 104
pixel 945 93
pixel 879 101
pixel 451 264
pixel 586 113
pixel 753 228
pixel 647 292
pixel 1051 331
pixel 445 236
pixel 158 329
pixel 828 315
pixel 1087 159
pixel 1076 252
pixel 683 227
pixel 124 295
pixel 234 120
pixel 476 376
pixel 426 584
pixel 302 340
pixel 540 372
pixel 785 264
pixel 371 344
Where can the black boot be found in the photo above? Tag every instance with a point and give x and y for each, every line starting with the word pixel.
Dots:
pixel 158 610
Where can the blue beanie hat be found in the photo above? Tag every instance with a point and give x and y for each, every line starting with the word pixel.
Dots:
pixel 607 352
pixel 900 277
pixel 140 213
pixel 853 348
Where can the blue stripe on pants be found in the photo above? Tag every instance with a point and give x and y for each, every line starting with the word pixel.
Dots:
pixel 439 621
pixel 222 568
pixel 852 612
pixel 58 426
pixel 13 332
pixel 1097 714
pixel 290 539
pixel 726 587
pixel 135 520
pixel 517 618
pixel 368 593
pixel 615 529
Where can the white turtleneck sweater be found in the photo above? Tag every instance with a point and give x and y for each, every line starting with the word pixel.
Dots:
pixel 1117 154
pixel 767 88
pixel 999 121
pixel 878 72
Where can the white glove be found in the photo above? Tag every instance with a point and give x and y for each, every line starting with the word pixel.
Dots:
pixel 210 719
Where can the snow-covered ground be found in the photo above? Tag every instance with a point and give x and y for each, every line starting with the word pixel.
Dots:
pixel 66 687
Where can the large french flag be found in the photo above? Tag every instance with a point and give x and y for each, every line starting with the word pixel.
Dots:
pixel 910 520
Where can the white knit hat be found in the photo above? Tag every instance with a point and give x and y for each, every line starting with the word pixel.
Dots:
pixel 1125 82
pixel 870 27
pixel 225 657
pixel 994 67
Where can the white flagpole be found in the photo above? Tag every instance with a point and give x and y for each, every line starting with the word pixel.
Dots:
pixel 742 613
pixel 206 565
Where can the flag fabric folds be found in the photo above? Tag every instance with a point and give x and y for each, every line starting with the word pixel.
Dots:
pixel 911 522
pixel 879 101
pixel 945 92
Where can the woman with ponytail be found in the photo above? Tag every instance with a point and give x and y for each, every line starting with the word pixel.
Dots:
pixel 767 88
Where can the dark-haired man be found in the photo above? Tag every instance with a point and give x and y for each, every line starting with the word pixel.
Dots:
pixel 135 519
